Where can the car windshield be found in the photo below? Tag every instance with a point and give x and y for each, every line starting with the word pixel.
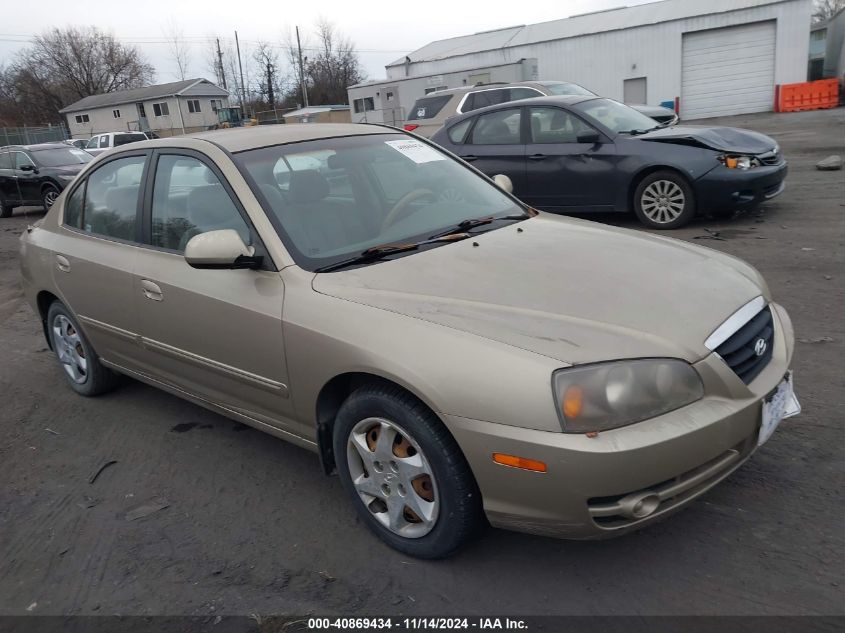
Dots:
pixel 61 156
pixel 333 199
pixel 562 88
pixel 616 116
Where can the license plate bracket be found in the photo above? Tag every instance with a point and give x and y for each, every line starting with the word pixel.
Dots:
pixel 780 404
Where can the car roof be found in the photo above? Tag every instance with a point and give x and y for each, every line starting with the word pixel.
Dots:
pixel 245 138
pixel 558 100
pixel 35 147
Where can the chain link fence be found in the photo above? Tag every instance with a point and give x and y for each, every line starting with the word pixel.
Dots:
pixel 31 135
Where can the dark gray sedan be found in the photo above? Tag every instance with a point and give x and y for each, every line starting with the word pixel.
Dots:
pixel 580 154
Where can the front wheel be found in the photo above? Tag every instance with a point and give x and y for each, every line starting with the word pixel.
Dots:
pixel 49 196
pixel 406 475
pixel 664 200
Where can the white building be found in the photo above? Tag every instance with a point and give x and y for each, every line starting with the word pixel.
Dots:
pixel 166 109
pixel 713 57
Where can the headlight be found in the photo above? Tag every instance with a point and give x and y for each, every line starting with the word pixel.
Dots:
pixel 739 162
pixel 609 395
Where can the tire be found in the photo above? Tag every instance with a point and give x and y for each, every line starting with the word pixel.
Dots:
pixel 48 196
pixel 82 368
pixel 5 208
pixel 423 469
pixel 664 200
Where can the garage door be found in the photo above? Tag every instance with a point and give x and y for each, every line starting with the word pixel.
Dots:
pixel 728 71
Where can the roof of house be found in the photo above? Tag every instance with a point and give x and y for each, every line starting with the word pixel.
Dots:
pixel 198 87
pixel 315 110
pixel 585 24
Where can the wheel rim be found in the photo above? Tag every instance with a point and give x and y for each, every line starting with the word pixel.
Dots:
pixel 50 198
pixel 663 201
pixel 69 348
pixel 392 477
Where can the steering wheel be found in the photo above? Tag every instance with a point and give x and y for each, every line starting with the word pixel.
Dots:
pixel 401 204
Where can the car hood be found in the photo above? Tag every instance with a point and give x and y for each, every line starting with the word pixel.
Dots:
pixel 568 289
pixel 722 139
pixel 68 170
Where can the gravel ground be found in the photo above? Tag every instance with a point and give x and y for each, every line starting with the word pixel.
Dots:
pixel 253 527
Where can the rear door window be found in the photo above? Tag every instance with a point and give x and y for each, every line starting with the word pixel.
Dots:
pixel 5 160
pixel 428 107
pixel 485 98
pixel 123 139
pixel 111 198
pixel 524 93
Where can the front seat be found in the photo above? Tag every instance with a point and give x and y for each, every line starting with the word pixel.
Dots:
pixel 209 208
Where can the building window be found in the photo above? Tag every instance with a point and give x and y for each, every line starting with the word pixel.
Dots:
pixel 115 114
pixel 390 96
pixel 82 118
pixel 819 34
pixel 216 104
pixel 161 109
pixel 194 105
pixel 364 105
pixel 435 89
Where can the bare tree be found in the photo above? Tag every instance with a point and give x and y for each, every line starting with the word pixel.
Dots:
pixel 826 9
pixel 269 86
pixel 179 49
pixel 65 65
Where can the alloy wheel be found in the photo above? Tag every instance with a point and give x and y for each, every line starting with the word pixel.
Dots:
pixel 392 477
pixel 50 197
pixel 663 201
pixel 69 348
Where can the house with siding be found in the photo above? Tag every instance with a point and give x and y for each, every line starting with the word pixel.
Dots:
pixel 166 109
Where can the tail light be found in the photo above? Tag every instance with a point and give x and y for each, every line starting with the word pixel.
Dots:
pixel 410 127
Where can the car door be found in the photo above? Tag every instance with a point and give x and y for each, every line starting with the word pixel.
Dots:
pixel 8 180
pixel 105 142
pixel 216 334
pixel 563 172
pixel 28 179
pixel 495 146
pixel 95 252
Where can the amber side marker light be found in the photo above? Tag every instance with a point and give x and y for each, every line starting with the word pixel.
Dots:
pixel 520 462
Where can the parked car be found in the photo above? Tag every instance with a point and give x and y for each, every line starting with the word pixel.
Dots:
pixel 587 154
pixel 104 142
pixel 449 351
pixel 78 143
pixel 32 175
pixel 430 112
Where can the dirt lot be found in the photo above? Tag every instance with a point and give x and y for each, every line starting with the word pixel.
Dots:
pixel 253 527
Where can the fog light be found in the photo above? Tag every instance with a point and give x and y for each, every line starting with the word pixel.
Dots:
pixel 639 505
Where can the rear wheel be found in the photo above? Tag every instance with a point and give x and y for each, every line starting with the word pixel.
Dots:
pixel 83 370
pixel 406 475
pixel 664 200
pixel 5 208
pixel 49 196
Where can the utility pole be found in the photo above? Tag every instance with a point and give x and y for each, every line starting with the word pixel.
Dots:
pixel 241 70
pixel 270 96
pixel 220 65
pixel 301 72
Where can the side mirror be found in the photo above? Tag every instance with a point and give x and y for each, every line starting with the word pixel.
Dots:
pixel 592 137
pixel 223 249
pixel 503 182
pixel 27 167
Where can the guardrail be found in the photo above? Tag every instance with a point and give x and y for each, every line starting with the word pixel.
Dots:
pixel 810 95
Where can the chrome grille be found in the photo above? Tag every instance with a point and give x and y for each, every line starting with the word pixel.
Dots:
pixel 748 350
pixel 770 158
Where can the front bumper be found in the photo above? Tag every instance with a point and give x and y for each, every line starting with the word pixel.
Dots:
pixel 591 481
pixel 725 189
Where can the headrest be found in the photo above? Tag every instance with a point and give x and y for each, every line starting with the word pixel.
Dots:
pixel 308 185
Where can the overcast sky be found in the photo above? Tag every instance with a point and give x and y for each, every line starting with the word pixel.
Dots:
pixel 382 31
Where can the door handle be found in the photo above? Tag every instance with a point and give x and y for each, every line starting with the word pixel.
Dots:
pixel 469 158
pixel 62 263
pixel 537 157
pixel 151 290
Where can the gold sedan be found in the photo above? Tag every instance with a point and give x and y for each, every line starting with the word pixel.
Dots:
pixel 451 353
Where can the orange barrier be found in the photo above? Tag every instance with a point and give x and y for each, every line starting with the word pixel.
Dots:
pixel 811 95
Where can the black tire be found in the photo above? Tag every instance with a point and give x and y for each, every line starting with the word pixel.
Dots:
pixel 657 192
pixel 96 378
pixel 5 208
pixel 460 516
pixel 48 196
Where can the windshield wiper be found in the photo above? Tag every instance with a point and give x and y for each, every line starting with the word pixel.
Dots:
pixel 375 253
pixel 638 132
pixel 466 225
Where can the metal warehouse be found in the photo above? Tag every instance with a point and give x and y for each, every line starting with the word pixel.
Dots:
pixel 713 58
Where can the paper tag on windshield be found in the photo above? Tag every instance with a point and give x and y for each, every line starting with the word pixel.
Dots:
pixel 416 151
